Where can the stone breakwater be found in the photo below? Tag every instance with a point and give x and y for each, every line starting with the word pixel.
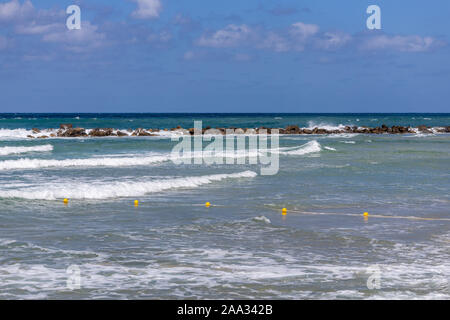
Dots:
pixel 68 131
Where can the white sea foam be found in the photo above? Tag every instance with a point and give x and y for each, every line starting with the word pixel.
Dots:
pixel 26 163
pixel 262 219
pixel 310 147
pixel 115 189
pixel 330 148
pixel 7 134
pixel 343 135
pixel 121 161
pixel 326 126
pixel 4 151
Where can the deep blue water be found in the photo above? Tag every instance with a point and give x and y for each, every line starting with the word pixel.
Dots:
pixel 161 120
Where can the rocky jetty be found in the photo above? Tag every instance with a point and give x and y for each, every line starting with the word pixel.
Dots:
pixel 67 130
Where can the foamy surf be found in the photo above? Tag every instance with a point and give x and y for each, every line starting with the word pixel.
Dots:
pixel 14 134
pixel 4 151
pixel 120 161
pixel 118 189
pixel 310 147
pixel 27 163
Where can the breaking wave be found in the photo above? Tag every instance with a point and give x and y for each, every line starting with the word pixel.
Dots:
pixel 310 147
pixel 27 163
pixel 117 189
pixel 4 151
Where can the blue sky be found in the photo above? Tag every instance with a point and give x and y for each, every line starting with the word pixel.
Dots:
pixel 224 56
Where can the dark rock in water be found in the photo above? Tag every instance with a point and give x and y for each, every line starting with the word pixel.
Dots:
pixel 292 130
pixel 376 130
pixel 43 137
pixel 66 130
pixel 101 132
pixel 145 134
pixel 424 129
pixel 395 129
pixel 77 132
pixel 141 133
pixel 362 130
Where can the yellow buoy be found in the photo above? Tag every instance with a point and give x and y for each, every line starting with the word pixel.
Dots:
pixel 66 201
pixel 284 211
pixel 136 202
pixel 366 214
pixel 207 204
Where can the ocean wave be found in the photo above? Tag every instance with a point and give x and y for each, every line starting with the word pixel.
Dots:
pixel 96 191
pixel 6 134
pixel 310 147
pixel 4 151
pixel 262 219
pixel 26 163
pixel 121 161
pixel 326 126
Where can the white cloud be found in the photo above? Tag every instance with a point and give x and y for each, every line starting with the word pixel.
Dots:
pixel 85 39
pixel 147 9
pixel 230 36
pixel 301 36
pixel 333 40
pixel 275 42
pixel 49 25
pixel 303 31
pixel 34 28
pixel 161 37
pixel 400 43
pixel 14 10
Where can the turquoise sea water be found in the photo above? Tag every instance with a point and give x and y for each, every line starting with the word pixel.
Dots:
pixel 172 246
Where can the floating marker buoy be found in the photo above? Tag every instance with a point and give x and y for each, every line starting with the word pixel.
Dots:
pixel 366 214
pixel 283 211
pixel 136 202
pixel 66 201
pixel 207 204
